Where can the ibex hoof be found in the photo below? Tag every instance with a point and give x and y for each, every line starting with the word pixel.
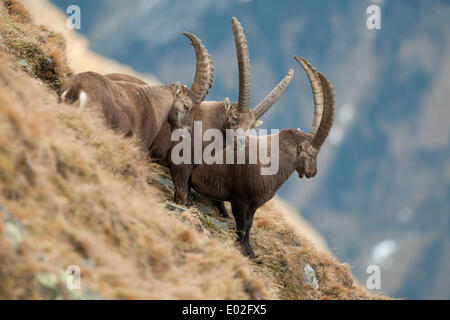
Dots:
pixel 249 253
pixel 185 203
pixel 224 214
pixel 257 260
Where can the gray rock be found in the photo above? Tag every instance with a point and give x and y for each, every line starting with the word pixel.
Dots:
pixel 310 276
pixel 55 287
pixel 48 280
pixel 24 63
pixel 14 230
pixel 219 224
pixel 49 284
pixel 176 207
pixel 90 262
pixel 4 211
pixel 204 208
pixel 165 181
pixel 87 294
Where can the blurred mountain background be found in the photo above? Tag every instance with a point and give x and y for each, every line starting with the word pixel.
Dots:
pixel 382 191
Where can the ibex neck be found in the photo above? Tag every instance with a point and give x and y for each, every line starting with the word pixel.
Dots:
pixel 286 168
pixel 266 185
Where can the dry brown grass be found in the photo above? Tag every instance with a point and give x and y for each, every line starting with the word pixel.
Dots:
pixel 285 251
pixel 38 51
pixel 17 9
pixel 74 193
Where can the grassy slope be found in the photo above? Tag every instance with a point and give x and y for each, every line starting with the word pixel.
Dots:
pixel 81 58
pixel 74 193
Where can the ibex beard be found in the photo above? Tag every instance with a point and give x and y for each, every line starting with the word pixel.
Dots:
pixel 240 147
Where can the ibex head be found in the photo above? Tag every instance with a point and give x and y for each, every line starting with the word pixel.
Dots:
pixel 307 145
pixel 306 156
pixel 239 114
pixel 186 99
pixel 236 119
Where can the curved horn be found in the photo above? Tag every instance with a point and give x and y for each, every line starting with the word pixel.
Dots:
pixel 203 70
pixel 243 65
pixel 273 96
pixel 317 92
pixel 328 115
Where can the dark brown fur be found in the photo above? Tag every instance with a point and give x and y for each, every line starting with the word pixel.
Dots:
pixel 244 186
pixel 212 114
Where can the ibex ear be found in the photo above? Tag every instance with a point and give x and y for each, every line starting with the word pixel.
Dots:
pixel 227 103
pixel 178 88
pixel 258 123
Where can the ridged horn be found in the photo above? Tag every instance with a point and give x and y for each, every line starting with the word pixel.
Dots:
pixel 328 114
pixel 243 65
pixel 317 92
pixel 273 96
pixel 203 71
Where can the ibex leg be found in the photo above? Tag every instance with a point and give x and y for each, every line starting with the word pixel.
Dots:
pixel 240 216
pixel 222 210
pixel 180 177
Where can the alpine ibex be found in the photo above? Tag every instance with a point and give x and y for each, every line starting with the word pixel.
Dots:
pixel 244 185
pixel 220 115
pixel 132 107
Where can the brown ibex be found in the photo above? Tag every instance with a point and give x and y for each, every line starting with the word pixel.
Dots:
pixel 132 107
pixel 220 115
pixel 244 185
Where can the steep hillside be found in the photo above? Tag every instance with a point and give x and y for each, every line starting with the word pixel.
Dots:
pixel 74 193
